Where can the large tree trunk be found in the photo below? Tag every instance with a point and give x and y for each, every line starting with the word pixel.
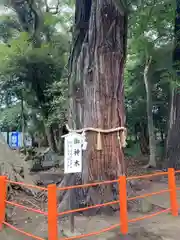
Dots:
pixel 173 140
pixel 97 98
pixel 152 143
pixel 96 88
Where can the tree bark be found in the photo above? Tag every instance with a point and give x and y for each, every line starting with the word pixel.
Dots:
pixel 171 119
pixel 50 138
pixel 173 140
pixel 96 89
pixel 144 139
pixel 96 97
pixel 173 143
pixel 152 143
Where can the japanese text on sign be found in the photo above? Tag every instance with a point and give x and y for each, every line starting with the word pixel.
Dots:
pixel 73 153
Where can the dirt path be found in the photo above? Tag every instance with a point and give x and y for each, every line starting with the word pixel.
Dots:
pixel 162 200
pixel 30 223
pixel 163 227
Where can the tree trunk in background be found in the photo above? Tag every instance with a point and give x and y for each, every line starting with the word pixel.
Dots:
pixel 96 88
pixel 152 143
pixel 173 141
pixel 23 121
pixel 50 138
pixel 144 139
pixel 45 139
pixel 48 134
pixel 171 121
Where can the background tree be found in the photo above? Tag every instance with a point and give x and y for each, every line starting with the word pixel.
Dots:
pixel 26 66
pixel 31 65
pixel 150 38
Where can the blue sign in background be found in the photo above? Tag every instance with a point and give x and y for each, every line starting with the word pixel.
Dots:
pixel 14 140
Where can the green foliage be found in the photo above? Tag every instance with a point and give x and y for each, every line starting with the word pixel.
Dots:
pixel 9 26
pixel 59 104
pixel 38 75
pixel 133 150
pixel 151 26
pixel 10 118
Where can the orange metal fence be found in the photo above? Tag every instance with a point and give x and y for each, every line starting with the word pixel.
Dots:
pixel 52 213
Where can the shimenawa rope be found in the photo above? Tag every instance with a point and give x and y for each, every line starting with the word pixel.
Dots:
pixel 121 134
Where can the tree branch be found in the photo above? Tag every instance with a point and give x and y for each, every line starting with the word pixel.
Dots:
pixel 53 10
pixel 46 6
pixel 148 63
pixel 121 6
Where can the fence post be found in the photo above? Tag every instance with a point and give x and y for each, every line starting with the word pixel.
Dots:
pixel 3 192
pixel 172 189
pixel 123 205
pixel 52 213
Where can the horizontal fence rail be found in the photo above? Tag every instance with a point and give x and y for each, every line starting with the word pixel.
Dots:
pixel 52 213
